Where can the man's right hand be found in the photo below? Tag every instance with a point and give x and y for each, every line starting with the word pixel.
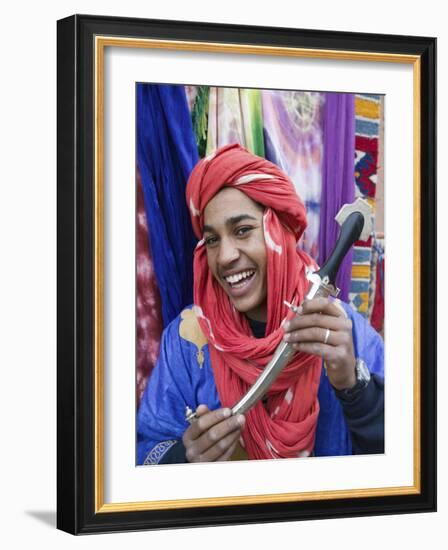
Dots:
pixel 213 435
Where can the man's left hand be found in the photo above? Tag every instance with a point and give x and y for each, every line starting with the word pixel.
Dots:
pixel 322 328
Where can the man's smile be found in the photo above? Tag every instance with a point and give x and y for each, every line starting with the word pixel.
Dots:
pixel 237 278
pixel 241 284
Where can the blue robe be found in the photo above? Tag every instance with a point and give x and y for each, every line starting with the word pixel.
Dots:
pixel 183 377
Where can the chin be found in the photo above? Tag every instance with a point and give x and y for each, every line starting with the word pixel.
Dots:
pixel 242 308
pixel 253 302
pixel 252 309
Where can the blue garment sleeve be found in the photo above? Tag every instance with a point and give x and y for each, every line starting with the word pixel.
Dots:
pixel 355 427
pixel 332 433
pixel 177 381
pixel 365 418
pixel 367 342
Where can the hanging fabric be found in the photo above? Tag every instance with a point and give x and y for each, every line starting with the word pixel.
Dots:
pixel 235 116
pixel 368 141
pixel 166 154
pixel 148 307
pixel 338 178
pixel 294 142
pixel 198 102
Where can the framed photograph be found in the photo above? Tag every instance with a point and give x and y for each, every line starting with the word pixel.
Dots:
pixel 172 134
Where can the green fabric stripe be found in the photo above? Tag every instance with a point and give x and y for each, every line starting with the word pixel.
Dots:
pixel 199 118
pixel 253 127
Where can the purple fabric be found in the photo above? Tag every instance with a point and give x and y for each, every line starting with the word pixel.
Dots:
pixel 338 177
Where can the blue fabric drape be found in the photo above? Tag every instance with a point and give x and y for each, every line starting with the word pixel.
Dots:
pixel 166 154
pixel 338 178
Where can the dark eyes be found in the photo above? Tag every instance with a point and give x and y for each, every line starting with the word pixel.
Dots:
pixel 239 232
pixel 210 241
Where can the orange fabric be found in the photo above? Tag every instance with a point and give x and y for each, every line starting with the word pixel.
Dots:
pixel 285 425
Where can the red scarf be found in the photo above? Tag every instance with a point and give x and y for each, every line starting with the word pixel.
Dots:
pixel 285 426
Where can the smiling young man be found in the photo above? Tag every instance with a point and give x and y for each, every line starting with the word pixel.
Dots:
pixel 249 219
pixel 236 250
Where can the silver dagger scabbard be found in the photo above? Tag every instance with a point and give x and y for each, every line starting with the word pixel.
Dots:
pixel 284 351
pixel 281 357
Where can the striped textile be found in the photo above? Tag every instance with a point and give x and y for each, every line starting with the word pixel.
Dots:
pixel 367 131
pixel 360 285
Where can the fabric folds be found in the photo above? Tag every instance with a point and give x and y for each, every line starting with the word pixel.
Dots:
pixel 338 186
pixel 166 154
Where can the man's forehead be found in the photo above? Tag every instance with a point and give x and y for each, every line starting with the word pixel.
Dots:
pixel 229 204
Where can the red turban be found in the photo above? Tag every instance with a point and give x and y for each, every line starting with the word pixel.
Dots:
pixel 283 426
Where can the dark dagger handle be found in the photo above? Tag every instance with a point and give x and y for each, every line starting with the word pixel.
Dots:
pixel 350 231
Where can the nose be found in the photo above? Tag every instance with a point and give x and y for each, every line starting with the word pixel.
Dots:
pixel 228 252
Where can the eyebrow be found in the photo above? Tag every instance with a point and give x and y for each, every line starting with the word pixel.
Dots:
pixel 230 221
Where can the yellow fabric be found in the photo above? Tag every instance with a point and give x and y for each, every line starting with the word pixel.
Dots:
pixel 361 271
pixel 190 330
pixel 366 108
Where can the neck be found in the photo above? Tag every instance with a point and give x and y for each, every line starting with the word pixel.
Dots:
pixel 259 314
pixel 258 328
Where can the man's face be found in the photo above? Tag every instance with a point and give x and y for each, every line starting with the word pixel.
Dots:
pixel 236 250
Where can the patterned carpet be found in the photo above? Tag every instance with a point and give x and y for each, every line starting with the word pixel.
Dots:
pixel 368 115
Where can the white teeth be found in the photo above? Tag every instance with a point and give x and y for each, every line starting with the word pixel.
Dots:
pixel 233 279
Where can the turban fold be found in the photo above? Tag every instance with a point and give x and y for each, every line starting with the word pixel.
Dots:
pixel 284 424
pixel 259 179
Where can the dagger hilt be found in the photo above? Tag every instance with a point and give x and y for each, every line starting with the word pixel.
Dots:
pixel 350 232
